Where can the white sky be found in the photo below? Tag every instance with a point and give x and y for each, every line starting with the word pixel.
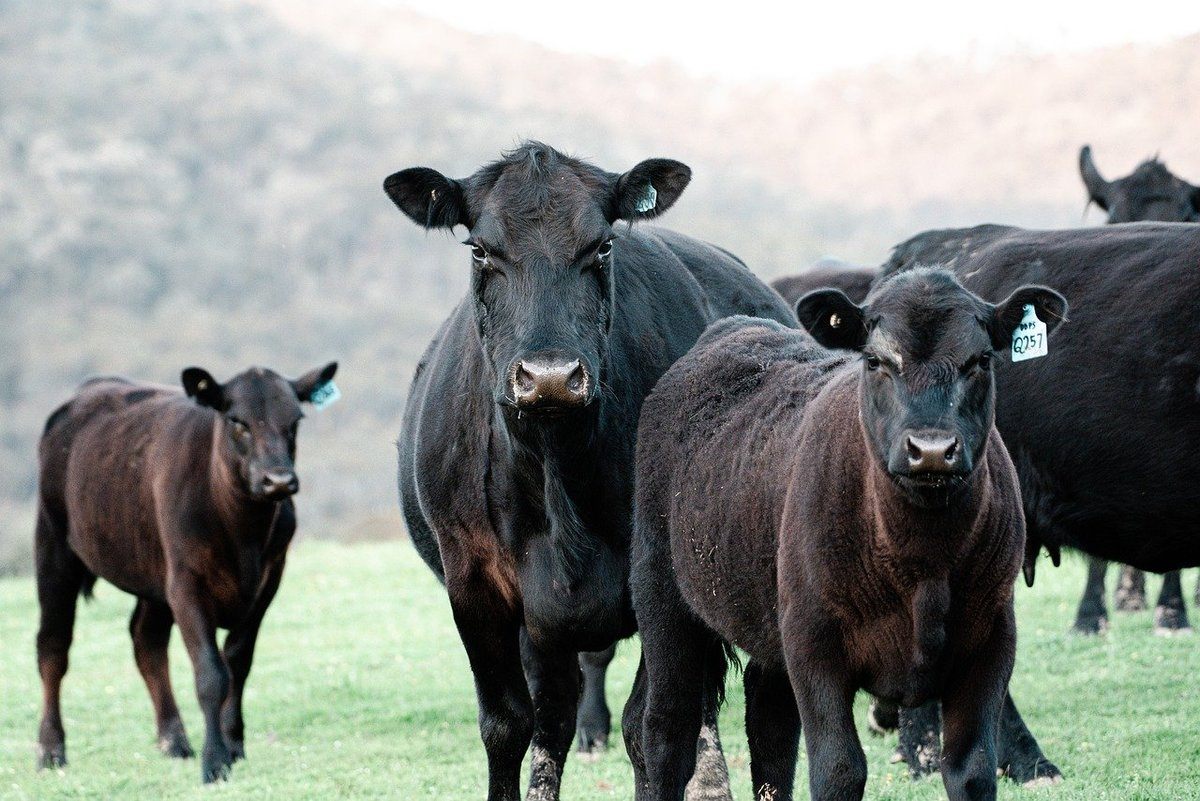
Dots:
pixel 754 39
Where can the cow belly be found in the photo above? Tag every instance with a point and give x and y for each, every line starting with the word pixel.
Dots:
pixel 122 553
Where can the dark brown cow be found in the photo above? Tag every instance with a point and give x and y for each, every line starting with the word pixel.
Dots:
pixel 184 502
pixel 851 522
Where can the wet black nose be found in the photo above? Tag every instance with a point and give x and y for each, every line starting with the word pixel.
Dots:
pixel 279 483
pixel 551 381
pixel 933 452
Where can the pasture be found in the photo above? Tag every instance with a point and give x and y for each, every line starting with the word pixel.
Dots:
pixel 360 689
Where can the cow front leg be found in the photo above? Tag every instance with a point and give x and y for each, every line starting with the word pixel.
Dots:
pixel 198 629
pixel 239 656
pixel 594 721
pixel 554 680
pixel 1170 613
pixel 1092 615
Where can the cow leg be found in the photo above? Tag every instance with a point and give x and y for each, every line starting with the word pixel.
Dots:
pixel 772 732
pixel 490 633
pixel 150 629
pixel 1092 617
pixel 1131 590
pixel 921 738
pixel 882 717
pixel 1196 597
pixel 1170 613
pixel 631 730
pixel 554 679
pixel 60 577
pixel 971 704
pixel 1020 756
pixel 593 722
pixel 198 629
pixel 239 655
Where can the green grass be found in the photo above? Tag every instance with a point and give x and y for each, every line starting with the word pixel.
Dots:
pixel 361 690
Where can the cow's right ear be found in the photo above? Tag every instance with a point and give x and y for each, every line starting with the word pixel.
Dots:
pixel 199 384
pixel 833 319
pixel 429 198
pixel 1097 186
pixel 1050 307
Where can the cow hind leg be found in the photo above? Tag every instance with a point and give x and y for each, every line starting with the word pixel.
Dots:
pixel 1170 613
pixel 594 721
pixel 1019 755
pixel 772 732
pixel 150 629
pixel 921 739
pixel 554 680
pixel 1130 595
pixel 1092 616
pixel 61 576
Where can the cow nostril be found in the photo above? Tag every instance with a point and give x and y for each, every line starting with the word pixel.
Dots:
pixel 914 452
pixel 523 380
pixel 576 378
pixel 952 451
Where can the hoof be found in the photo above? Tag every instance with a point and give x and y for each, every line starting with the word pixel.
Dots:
pixel 591 742
pixel 54 756
pixel 1041 772
pixel 1090 626
pixel 174 743
pixel 237 750
pixel 896 758
pixel 1169 621
pixel 215 767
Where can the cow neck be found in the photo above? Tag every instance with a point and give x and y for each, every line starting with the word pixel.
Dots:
pixel 919 543
pixel 239 513
pixel 553 463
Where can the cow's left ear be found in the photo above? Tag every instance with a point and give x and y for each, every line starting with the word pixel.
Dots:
pixel 649 189
pixel 198 383
pixel 313 380
pixel 1050 306
pixel 833 319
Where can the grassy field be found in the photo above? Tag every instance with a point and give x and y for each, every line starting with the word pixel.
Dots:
pixel 361 690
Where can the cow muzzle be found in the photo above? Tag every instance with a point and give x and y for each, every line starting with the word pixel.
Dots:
pixel 550 382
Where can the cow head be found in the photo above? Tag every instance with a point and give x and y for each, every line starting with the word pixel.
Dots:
pixel 543 252
pixel 1150 192
pixel 258 413
pixel 927 395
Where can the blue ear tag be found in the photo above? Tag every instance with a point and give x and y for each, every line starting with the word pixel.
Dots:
pixel 325 395
pixel 649 200
pixel 1029 339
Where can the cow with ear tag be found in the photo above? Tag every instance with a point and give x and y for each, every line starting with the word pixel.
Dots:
pixel 183 500
pixel 516 450
pixel 844 511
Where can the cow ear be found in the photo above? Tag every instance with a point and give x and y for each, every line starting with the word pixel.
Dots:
pixel 1097 187
pixel 1051 309
pixel 1195 196
pixel 198 383
pixel 429 198
pixel 833 319
pixel 313 380
pixel 649 189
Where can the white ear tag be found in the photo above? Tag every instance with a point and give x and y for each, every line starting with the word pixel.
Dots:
pixel 325 395
pixel 649 200
pixel 1029 339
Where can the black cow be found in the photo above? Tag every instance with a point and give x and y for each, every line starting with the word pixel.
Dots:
pixel 1150 193
pixel 853 280
pixel 517 445
pixel 184 502
pixel 1100 471
pixel 851 522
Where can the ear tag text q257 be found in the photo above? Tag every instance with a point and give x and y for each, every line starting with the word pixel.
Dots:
pixel 1029 340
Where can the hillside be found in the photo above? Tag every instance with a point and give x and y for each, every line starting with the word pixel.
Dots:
pixel 189 183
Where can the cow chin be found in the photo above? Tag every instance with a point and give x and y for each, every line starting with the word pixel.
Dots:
pixel 930 490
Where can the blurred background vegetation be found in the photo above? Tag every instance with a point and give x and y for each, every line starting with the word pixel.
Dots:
pixel 188 182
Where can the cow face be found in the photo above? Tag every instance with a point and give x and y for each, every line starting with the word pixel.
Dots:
pixel 259 413
pixel 543 254
pixel 926 391
pixel 1149 193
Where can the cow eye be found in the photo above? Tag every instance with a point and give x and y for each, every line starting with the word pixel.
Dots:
pixel 872 361
pixel 604 251
pixel 985 361
pixel 478 254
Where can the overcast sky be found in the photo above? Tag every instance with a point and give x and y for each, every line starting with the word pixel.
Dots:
pixel 798 41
